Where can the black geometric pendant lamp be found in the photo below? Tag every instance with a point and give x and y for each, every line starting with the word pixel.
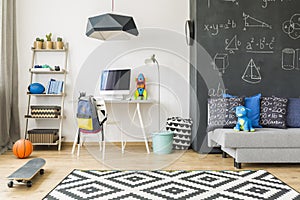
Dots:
pixel 111 26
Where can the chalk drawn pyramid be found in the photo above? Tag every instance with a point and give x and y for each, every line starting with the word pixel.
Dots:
pixel 232 45
pixel 251 74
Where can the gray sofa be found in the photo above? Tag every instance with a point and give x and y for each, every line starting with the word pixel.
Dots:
pixel 266 145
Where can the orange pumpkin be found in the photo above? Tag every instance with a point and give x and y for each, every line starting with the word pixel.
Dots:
pixel 22 148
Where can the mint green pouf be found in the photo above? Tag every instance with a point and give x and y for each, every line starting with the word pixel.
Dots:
pixel 162 142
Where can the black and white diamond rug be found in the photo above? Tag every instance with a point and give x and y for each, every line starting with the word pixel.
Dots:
pixel 172 185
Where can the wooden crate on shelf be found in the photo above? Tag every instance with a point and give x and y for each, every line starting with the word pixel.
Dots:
pixel 45 111
pixel 43 135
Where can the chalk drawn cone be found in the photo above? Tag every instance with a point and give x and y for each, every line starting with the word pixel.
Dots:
pixel 251 74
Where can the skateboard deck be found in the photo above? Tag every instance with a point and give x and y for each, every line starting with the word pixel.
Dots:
pixel 27 171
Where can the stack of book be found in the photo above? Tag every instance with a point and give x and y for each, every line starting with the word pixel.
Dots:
pixel 54 87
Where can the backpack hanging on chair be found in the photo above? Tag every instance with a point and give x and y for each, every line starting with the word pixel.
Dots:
pixel 87 115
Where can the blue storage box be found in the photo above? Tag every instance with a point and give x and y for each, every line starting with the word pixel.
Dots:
pixel 162 142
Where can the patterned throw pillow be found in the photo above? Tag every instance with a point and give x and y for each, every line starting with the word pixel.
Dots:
pixel 273 112
pixel 221 112
pixel 253 103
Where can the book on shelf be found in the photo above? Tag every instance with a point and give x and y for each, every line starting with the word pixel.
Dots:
pixel 54 87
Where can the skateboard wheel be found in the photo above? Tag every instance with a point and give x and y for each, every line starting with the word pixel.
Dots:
pixel 10 184
pixel 29 184
pixel 42 171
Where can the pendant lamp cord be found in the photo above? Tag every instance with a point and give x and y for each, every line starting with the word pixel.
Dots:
pixel 112 5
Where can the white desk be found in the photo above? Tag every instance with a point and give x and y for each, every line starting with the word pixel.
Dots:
pixel 138 111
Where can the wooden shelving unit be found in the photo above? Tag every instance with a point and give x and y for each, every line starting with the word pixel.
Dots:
pixel 62 71
pixel 47 95
pixel 36 72
pixel 53 118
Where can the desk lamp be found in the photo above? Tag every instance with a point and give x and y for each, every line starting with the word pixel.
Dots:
pixel 152 60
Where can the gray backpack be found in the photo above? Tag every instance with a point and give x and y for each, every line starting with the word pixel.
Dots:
pixel 87 115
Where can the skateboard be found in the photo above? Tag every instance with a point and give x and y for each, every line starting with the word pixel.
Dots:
pixel 26 172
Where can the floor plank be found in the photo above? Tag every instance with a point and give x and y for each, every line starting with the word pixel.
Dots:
pixel 60 163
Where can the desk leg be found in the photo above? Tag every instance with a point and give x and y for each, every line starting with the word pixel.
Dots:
pixel 142 126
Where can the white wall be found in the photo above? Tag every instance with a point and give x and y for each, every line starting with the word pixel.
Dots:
pixel 68 18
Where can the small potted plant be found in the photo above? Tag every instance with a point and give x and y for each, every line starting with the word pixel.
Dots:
pixel 42 41
pixel 59 43
pixel 38 43
pixel 49 43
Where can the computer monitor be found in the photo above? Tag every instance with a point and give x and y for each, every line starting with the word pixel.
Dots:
pixel 115 83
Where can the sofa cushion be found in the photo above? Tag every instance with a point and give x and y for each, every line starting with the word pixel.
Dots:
pixel 262 138
pixel 267 155
pixel 221 112
pixel 273 112
pixel 293 113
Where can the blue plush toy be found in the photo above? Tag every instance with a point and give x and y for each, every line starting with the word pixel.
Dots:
pixel 243 122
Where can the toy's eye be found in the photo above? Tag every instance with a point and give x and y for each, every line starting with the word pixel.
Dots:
pixel 242 109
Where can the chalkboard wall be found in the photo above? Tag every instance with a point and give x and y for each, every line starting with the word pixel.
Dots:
pixel 254 46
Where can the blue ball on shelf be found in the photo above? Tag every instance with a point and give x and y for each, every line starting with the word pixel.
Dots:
pixel 36 88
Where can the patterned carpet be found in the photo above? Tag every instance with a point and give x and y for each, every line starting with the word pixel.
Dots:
pixel 156 185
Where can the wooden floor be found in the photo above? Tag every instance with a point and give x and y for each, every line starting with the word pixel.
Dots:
pixel 60 163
